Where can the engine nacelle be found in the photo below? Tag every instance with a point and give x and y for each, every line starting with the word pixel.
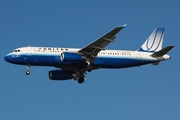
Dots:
pixel 59 75
pixel 71 57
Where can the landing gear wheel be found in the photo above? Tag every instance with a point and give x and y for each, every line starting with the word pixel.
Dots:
pixel 27 72
pixel 81 80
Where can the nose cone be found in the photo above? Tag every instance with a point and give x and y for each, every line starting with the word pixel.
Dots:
pixel 11 58
pixel 8 58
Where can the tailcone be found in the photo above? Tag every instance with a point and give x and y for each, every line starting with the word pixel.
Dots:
pixel 11 58
pixel 167 57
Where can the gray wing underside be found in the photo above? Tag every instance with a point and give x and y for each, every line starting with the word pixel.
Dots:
pixel 94 48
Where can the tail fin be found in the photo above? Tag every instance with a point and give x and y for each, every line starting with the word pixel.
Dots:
pixel 154 41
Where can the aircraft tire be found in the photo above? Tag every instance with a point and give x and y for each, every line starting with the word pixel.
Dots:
pixel 27 72
pixel 81 80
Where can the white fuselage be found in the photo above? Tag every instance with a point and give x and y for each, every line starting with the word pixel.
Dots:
pixel 50 56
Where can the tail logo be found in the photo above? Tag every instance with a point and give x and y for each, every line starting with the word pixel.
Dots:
pixel 154 41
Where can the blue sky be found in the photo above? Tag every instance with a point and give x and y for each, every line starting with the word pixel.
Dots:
pixel 146 92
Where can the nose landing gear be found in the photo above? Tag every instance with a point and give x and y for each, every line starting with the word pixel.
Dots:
pixel 28 70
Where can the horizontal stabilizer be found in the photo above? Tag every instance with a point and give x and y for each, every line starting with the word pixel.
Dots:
pixel 162 52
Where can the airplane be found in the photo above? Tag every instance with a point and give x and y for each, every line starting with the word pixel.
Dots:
pixel 74 63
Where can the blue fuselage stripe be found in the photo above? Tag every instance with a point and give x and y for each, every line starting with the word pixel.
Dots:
pixel 54 60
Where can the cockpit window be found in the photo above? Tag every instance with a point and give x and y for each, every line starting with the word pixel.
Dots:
pixel 16 50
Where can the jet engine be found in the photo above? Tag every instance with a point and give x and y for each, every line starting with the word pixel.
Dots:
pixel 59 75
pixel 71 57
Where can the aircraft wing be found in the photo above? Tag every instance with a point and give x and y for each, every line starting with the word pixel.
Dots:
pixel 94 48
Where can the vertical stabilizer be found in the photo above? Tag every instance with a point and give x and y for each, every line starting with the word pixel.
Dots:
pixel 154 41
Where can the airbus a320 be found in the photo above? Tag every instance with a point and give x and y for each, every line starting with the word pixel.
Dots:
pixel 74 63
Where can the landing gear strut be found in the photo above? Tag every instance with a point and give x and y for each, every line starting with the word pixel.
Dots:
pixel 89 66
pixel 28 70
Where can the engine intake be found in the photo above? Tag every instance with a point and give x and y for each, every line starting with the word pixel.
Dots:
pixel 59 75
pixel 71 57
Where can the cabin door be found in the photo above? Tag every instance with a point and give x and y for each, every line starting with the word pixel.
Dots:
pixel 29 51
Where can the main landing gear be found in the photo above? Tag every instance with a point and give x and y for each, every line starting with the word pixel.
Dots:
pixel 28 70
pixel 79 76
pixel 81 80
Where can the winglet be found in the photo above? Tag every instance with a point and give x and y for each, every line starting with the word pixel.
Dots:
pixel 124 26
